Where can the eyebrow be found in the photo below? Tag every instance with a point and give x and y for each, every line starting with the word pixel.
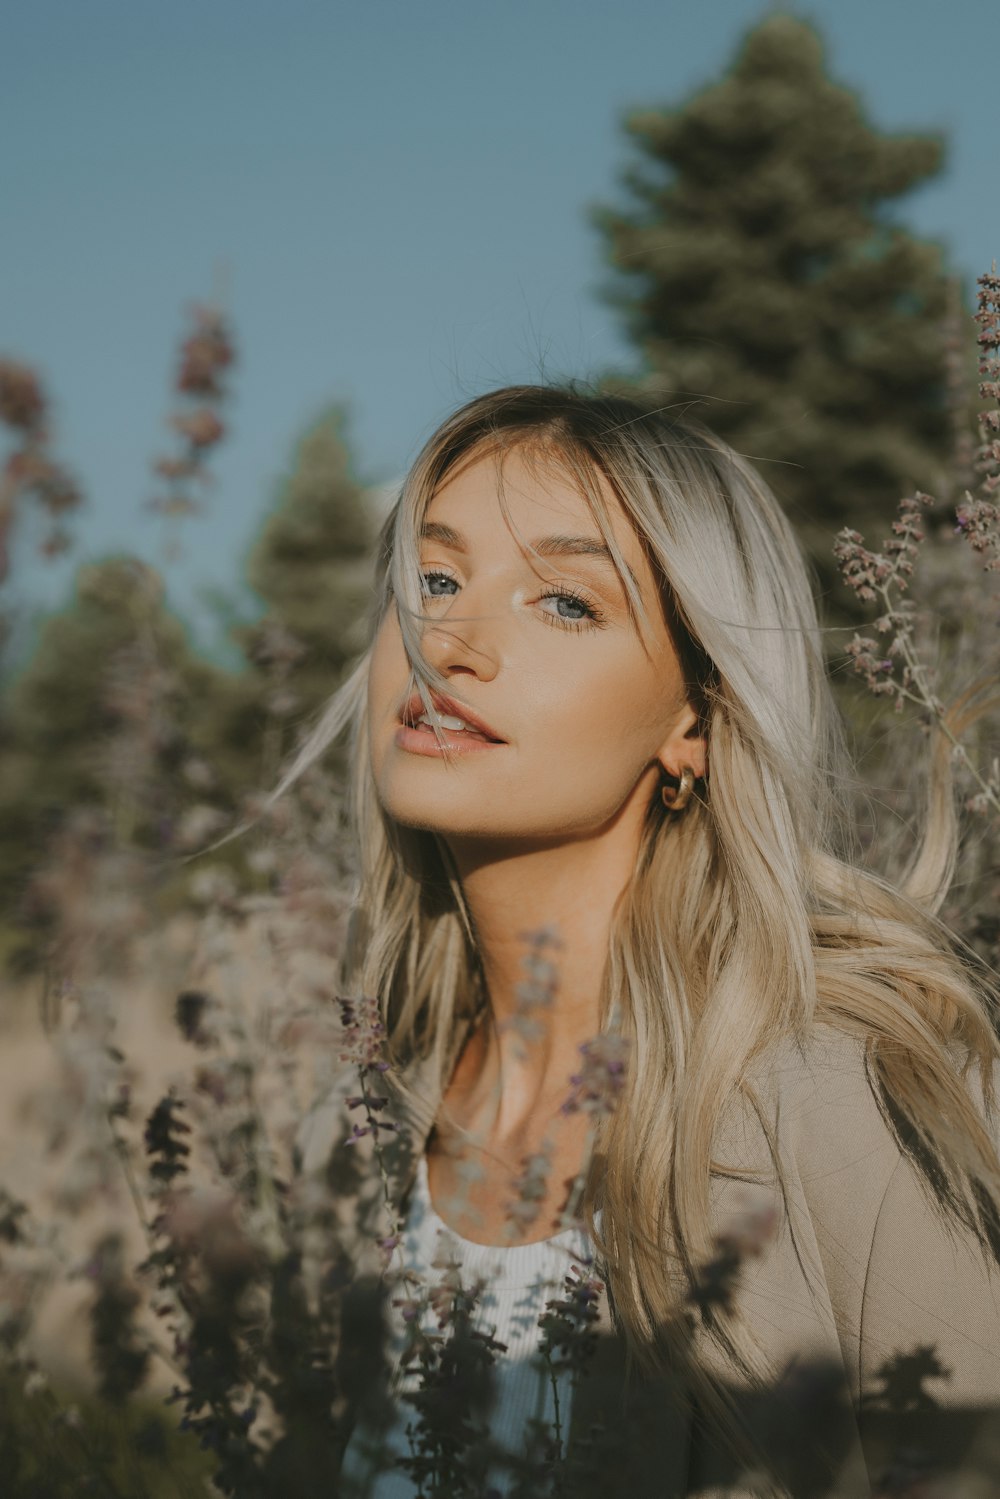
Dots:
pixel 545 546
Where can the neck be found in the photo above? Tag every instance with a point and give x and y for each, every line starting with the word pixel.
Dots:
pixel 519 1062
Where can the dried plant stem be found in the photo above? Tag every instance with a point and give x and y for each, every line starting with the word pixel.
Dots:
pixel 925 697
pixel 395 1234
pixel 265 1197
pixel 557 1431
pixel 125 1161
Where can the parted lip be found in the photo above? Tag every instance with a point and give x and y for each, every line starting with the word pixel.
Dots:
pixel 414 707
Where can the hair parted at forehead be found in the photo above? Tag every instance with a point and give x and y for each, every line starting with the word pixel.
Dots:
pixel 735 586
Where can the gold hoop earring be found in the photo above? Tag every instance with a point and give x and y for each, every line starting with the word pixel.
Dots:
pixel 680 797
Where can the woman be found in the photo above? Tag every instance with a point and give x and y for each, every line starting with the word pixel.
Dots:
pixel 595 702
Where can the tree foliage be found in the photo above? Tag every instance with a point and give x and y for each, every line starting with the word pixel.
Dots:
pixel 761 273
pixel 312 563
pixel 115 697
pixel 113 667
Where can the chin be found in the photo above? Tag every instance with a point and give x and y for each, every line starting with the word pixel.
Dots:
pixel 424 819
pixel 445 819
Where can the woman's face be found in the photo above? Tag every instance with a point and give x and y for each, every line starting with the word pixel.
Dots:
pixel 541 650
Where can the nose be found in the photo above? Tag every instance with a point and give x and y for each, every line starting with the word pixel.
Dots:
pixel 466 644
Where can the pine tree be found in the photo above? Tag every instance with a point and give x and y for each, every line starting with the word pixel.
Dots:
pixel 110 709
pixel 762 276
pixel 313 562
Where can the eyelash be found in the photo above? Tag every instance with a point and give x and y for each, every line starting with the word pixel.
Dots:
pixel 596 618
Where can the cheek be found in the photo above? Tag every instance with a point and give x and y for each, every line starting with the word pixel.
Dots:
pixel 627 708
pixel 611 726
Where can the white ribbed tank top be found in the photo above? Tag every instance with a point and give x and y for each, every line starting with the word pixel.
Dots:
pixel 519 1280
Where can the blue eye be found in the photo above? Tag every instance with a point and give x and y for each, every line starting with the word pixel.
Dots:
pixel 591 614
pixel 425 577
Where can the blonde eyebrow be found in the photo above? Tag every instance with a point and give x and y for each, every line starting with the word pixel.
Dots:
pixel 545 546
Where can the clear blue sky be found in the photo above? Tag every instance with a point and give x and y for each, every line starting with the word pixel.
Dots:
pixel 395 192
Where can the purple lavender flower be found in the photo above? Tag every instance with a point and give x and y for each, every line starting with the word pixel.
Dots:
pixel 597 1086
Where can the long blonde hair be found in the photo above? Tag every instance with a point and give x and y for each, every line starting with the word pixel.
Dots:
pixel 749 918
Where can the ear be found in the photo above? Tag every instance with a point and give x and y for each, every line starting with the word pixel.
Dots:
pixel 685 745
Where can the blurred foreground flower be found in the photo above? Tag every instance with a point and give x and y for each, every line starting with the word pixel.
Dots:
pixel 206 355
pixel 30 469
pixel 597 1086
pixel 897 665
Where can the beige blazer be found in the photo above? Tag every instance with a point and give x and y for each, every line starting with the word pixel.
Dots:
pixel 859 1274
